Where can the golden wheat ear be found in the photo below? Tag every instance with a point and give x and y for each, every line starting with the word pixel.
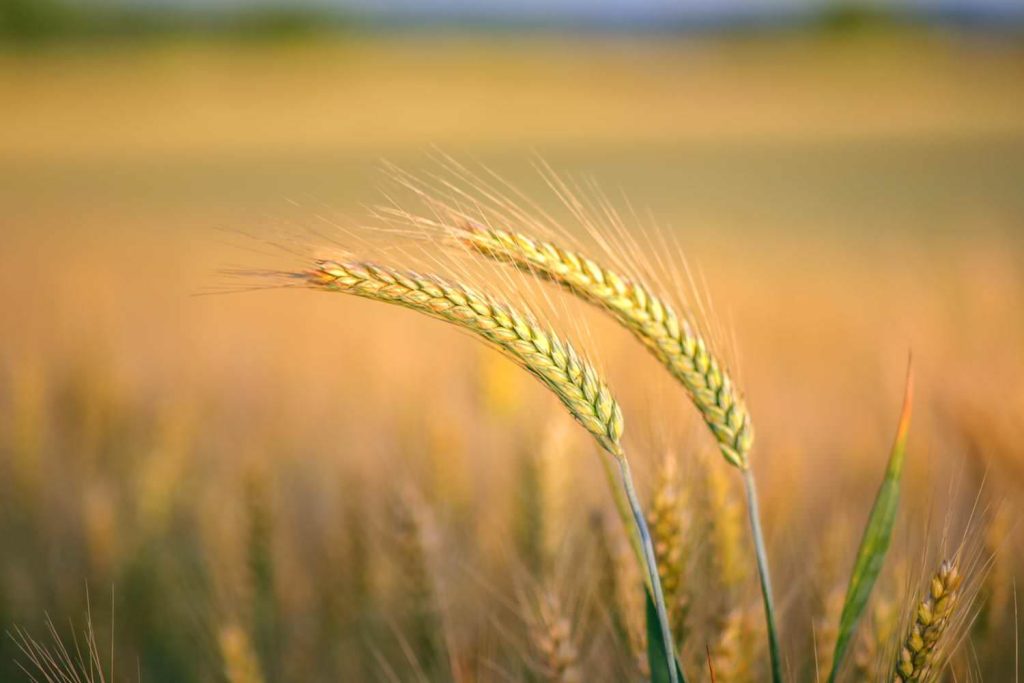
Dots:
pixel 922 644
pixel 671 338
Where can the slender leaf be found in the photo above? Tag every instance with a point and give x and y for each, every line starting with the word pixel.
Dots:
pixel 877 535
pixel 657 658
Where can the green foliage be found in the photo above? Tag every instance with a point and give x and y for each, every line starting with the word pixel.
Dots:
pixel 877 535
pixel 657 658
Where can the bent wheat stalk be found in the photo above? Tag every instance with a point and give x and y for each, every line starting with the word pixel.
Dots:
pixel 670 337
pixel 537 350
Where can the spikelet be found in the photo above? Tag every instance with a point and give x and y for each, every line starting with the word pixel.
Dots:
pixel 671 338
pixel 240 663
pixel 669 532
pixel 921 646
pixel 551 634
pixel 542 353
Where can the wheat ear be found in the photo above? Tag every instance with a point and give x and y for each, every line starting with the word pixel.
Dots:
pixel 541 352
pixel 651 319
pixel 554 362
pixel 672 340
pixel 921 644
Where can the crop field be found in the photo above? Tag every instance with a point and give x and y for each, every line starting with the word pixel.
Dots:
pixel 230 480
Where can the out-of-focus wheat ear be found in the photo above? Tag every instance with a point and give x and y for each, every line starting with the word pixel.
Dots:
pixel 923 642
pixel 670 529
pixel 874 640
pixel 995 594
pixel 553 638
pixel 417 588
pixel 629 599
pixel 729 559
pixel 671 337
pixel 732 654
pixel 260 557
pixel 238 656
pixel 826 629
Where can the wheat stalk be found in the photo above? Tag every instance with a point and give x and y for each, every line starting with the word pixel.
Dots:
pixel 539 351
pixel 920 646
pixel 671 338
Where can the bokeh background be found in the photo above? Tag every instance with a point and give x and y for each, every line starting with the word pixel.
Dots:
pixel 287 486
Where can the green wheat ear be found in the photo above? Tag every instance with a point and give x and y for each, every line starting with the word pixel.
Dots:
pixel 537 350
pixel 652 320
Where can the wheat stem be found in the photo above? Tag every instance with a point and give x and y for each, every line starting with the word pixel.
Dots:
pixel 764 574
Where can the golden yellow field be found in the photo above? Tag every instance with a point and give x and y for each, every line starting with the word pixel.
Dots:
pixel 294 486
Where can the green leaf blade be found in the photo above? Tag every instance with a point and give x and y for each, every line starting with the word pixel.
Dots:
pixel 877 536
pixel 657 658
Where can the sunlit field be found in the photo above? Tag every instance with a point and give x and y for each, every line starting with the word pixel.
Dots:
pixel 289 485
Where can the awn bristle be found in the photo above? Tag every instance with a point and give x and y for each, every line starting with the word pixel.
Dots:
pixel 552 360
pixel 671 338
pixel 919 649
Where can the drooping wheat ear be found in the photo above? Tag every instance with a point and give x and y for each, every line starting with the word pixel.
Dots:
pixel 539 351
pixel 670 337
pixel 921 645
pixel 552 635
pixel 240 662
pixel 670 531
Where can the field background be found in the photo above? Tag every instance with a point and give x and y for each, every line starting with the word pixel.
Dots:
pixel 231 464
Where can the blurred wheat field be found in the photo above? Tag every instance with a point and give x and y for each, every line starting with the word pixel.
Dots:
pixel 285 486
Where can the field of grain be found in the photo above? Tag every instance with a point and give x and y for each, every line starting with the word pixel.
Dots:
pixel 296 486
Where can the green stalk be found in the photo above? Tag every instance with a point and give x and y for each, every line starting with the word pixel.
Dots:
pixel 652 568
pixel 764 574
